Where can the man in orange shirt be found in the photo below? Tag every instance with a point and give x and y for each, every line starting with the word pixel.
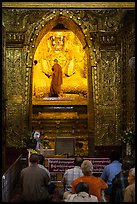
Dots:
pixel 96 184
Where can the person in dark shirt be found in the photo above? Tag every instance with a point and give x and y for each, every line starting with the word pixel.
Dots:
pixel 111 170
pixel 120 182
pixel 34 182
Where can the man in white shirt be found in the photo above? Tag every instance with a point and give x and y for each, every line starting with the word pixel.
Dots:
pixel 71 174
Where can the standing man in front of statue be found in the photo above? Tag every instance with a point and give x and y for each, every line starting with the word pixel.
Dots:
pixel 57 79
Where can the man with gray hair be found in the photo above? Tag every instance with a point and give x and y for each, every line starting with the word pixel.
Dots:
pixel 96 184
pixel 129 193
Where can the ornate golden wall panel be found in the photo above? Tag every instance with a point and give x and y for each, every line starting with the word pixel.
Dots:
pixel 107 98
pixel 99 32
pixel 128 92
pixel 15 95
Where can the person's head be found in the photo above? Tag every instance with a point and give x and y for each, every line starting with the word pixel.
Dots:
pixel 34 158
pixel 55 61
pixel 82 187
pixel 114 155
pixel 131 176
pixel 127 163
pixel 87 167
pixel 35 62
pixel 78 161
pixel 41 159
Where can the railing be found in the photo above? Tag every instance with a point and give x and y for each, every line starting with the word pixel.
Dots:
pixel 10 178
pixel 56 167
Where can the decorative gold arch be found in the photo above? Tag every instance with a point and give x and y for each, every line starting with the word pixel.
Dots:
pixel 73 57
pixel 66 21
pixel 67 48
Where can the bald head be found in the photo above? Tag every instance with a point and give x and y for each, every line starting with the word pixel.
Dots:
pixel 55 60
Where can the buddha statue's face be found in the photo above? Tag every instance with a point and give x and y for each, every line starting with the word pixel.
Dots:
pixel 57 42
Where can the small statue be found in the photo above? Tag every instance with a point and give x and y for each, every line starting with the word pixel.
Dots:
pixel 37 138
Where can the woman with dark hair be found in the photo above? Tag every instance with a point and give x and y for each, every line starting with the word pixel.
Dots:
pixel 81 195
pixel 41 164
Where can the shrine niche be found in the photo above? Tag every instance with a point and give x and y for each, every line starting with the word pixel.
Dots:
pixel 64 46
pixel 68 45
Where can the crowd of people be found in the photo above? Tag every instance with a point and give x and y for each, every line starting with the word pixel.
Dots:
pixel 115 184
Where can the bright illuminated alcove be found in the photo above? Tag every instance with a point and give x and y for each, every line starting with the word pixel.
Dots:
pixel 65 46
